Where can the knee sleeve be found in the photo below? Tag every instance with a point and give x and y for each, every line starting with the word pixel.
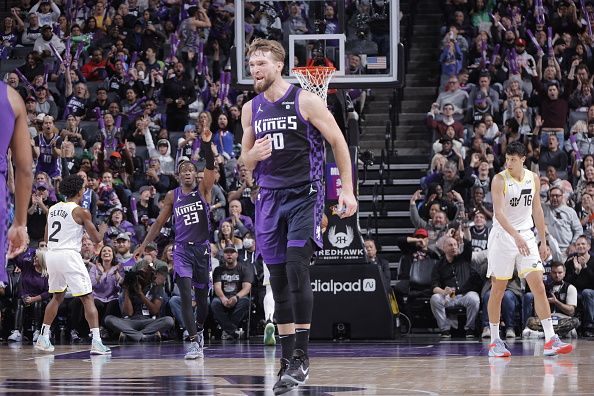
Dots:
pixel 298 262
pixel 283 310
pixel 185 293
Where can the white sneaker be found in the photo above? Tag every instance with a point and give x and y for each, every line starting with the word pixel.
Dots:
pixel 15 336
pixel 186 335
pixel 44 344
pixel 35 335
pixel 510 333
pixel 97 348
pixel 526 333
pixel 573 334
pixel 486 332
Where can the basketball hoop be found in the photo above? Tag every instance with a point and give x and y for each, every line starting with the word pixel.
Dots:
pixel 315 79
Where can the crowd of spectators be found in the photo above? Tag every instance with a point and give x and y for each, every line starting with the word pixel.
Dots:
pixel 119 92
pixel 510 71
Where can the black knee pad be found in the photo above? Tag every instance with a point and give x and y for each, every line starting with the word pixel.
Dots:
pixel 283 309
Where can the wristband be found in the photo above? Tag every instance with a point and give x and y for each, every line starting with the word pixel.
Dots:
pixel 208 154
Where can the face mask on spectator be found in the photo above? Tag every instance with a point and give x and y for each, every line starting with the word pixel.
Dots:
pixel 248 243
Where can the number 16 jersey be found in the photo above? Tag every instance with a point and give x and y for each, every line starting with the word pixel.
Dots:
pixel 63 232
pixel 190 216
pixel 518 198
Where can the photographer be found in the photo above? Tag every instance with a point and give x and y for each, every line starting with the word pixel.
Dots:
pixel 143 297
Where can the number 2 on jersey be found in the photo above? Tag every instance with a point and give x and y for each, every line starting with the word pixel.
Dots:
pixel 56 226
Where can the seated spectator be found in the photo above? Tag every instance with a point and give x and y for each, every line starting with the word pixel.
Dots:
pixel 124 255
pixel 455 284
pixel 232 284
pixel 562 220
pixel 243 189
pixel 436 226
pixel 33 293
pixel 584 142
pixel 154 177
pixel 74 133
pixel 44 105
pixel 95 68
pixel 553 156
pixel 224 138
pixel 241 224
pixel 382 263
pixel 106 277
pixel 563 300
pixel 141 295
pixel 224 236
pixel 150 259
pixel 580 273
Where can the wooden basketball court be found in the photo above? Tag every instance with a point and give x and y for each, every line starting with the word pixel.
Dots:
pixel 417 366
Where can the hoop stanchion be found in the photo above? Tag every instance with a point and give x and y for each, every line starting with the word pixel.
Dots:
pixel 315 79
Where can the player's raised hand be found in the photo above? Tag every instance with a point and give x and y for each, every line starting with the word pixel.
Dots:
pixel 522 245
pixel 18 239
pixel 347 204
pixel 262 148
pixel 139 252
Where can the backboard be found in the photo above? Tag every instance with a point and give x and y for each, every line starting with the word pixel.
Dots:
pixel 360 38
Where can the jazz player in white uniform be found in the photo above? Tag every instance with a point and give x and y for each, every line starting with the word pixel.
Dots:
pixel 66 223
pixel 512 244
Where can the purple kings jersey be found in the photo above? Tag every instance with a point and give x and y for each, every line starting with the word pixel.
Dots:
pixel 190 216
pixel 47 162
pixel 298 150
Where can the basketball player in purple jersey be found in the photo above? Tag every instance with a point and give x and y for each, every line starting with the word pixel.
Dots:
pixel 14 133
pixel 283 144
pixel 191 255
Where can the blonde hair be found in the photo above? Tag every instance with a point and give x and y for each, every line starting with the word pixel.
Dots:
pixel 40 256
pixel 262 45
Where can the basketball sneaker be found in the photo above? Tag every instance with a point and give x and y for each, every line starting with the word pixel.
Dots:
pixel 298 371
pixel 97 348
pixel 269 339
pixel 15 336
pixel 44 344
pixel 555 347
pixel 195 349
pixel 498 349
pixel 283 386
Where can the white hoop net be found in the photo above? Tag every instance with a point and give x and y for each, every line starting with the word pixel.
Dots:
pixel 315 79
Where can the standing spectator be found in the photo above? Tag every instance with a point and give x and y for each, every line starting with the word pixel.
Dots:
pixel 96 68
pixel 47 149
pixel 241 224
pixel 562 220
pixel 44 105
pixel 47 11
pixel 42 43
pixel 553 156
pixel 32 30
pixel 232 285
pixel 37 212
pixel 455 284
pixel 178 92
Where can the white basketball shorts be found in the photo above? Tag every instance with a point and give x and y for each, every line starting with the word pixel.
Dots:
pixel 504 256
pixel 66 268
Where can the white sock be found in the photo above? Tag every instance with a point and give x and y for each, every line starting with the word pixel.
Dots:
pixel 494 327
pixel 45 330
pixel 268 304
pixel 547 326
pixel 96 334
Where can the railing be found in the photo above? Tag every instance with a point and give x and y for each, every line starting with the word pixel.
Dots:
pixel 372 220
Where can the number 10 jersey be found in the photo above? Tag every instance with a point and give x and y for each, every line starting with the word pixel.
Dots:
pixel 190 216
pixel 62 231
pixel 298 150
pixel 518 198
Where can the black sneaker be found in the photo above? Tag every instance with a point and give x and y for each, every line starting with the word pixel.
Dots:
pixel 283 386
pixel 298 371
pixel 446 334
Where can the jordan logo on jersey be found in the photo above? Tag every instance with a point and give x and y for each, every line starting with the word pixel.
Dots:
pixel 527 194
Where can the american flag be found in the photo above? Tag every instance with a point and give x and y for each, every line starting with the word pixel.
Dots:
pixel 376 62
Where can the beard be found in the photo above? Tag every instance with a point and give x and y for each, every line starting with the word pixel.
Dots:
pixel 263 85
